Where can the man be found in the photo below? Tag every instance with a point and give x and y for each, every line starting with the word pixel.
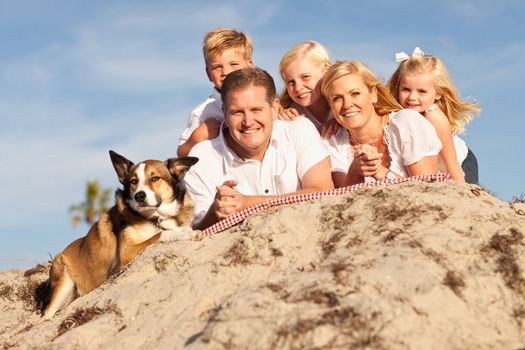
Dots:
pixel 255 157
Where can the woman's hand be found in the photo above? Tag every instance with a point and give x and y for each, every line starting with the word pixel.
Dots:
pixel 367 160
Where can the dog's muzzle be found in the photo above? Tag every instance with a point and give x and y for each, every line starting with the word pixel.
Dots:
pixel 140 202
pixel 140 197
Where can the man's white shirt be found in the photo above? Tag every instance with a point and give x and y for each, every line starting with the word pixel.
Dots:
pixel 294 148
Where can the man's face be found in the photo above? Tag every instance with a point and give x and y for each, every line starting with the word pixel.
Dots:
pixel 249 117
pixel 221 64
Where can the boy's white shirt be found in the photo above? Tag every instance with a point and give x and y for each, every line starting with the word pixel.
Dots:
pixel 211 108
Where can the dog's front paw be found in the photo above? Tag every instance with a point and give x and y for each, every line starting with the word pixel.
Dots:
pixel 181 233
pixel 197 235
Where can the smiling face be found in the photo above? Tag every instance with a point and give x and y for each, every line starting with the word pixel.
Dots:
pixel 221 64
pixel 417 91
pixel 351 101
pixel 249 117
pixel 303 81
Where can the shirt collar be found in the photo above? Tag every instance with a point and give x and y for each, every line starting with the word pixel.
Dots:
pixel 230 158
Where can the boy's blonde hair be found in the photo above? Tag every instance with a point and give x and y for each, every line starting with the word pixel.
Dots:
pixel 311 51
pixel 385 104
pixel 221 39
pixel 459 112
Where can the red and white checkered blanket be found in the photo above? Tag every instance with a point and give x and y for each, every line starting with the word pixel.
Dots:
pixel 290 199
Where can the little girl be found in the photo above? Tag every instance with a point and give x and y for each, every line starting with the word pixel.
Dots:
pixel 421 83
pixel 302 68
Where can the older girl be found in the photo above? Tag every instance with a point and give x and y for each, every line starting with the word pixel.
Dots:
pixel 302 69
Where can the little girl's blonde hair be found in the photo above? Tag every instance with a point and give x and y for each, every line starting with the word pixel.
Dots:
pixel 385 104
pixel 459 112
pixel 310 50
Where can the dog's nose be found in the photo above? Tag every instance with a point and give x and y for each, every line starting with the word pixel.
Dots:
pixel 140 196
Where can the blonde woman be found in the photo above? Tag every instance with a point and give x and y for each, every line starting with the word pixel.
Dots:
pixel 378 139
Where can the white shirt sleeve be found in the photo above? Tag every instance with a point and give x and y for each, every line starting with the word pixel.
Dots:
pixel 200 183
pixel 308 144
pixel 338 145
pixel 193 123
pixel 211 108
pixel 412 137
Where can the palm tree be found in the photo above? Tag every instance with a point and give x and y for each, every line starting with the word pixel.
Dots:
pixel 97 202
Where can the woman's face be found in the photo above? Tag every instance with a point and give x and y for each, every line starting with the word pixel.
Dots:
pixel 351 101
pixel 303 81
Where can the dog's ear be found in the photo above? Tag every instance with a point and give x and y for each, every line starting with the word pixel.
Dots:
pixel 179 166
pixel 121 165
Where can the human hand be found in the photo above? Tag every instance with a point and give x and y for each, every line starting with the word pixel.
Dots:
pixel 227 200
pixel 367 160
pixel 288 114
pixel 206 131
pixel 329 128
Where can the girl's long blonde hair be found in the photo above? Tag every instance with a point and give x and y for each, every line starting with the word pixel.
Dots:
pixel 385 104
pixel 311 51
pixel 459 112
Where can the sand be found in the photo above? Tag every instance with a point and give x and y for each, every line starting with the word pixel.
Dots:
pixel 410 266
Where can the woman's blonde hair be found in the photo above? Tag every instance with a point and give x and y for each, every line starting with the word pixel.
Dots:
pixel 385 104
pixel 459 112
pixel 311 51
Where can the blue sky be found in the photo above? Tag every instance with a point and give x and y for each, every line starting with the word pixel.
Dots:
pixel 78 78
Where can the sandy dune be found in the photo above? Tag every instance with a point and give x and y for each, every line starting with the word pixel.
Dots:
pixel 410 266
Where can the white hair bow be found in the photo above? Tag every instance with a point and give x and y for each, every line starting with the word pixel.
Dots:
pixel 402 56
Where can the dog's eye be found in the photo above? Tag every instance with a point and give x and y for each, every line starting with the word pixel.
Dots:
pixel 133 181
pixel 155 178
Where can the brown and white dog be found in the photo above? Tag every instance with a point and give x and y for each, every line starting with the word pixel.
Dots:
pixel 152 206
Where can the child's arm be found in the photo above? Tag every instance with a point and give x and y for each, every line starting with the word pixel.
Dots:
pixel 206 131
pixel 448 153
pixel 329 128
pixel 287 114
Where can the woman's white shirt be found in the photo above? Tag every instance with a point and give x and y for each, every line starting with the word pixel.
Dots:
pixel 408 137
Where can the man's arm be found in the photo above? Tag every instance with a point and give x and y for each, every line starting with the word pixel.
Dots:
pixel 317 178
pixel 228 200
pixel 313 170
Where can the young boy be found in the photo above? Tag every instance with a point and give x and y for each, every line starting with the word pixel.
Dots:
pixel 225 50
